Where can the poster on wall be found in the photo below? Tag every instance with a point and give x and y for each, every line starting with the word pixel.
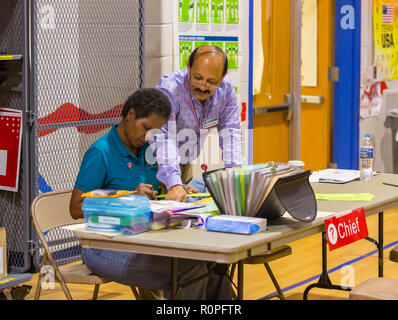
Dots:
pixel 309 38
pixel 385 30
pixel 208 22
pixel 222 23
pixel 10 148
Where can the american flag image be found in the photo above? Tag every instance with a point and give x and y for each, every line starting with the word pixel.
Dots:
pixel 388 13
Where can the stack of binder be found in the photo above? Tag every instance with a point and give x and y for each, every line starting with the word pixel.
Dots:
pixel 265 190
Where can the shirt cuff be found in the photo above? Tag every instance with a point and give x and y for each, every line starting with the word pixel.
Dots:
pixel 233 164
pixel 173 181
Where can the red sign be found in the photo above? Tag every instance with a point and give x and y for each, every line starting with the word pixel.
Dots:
pixel 346 229
pixel 10 148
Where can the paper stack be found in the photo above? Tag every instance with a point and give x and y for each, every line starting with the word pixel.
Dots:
pixel 168 213
pixel 335 176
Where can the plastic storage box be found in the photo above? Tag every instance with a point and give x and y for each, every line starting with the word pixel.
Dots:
pixel 128 214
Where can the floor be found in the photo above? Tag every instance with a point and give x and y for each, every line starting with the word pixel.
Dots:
pixel 349 265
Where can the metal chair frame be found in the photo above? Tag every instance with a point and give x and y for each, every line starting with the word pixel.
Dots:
pixel 265 258
pixel 51 210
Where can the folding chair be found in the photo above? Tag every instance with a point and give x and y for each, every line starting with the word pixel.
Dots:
pixel 378 288
pixel 265 258
pixel 49 211
pixel 393 256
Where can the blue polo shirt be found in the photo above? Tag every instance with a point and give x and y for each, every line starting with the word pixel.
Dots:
pixel 108 164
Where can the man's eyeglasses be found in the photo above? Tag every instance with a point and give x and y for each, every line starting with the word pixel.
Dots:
pixel 203 84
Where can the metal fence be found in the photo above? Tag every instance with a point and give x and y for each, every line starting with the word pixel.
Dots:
pixel 14 206
pixel 87 57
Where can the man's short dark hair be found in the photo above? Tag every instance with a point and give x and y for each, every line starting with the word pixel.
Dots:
pixel 213 50
pixel 146 102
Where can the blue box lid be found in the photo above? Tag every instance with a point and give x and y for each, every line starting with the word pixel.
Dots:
pixel 130 204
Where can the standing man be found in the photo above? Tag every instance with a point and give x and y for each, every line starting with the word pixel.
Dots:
pixel 122 160
pixel 202 97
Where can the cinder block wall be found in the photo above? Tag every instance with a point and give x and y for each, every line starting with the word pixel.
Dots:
pixel 158 40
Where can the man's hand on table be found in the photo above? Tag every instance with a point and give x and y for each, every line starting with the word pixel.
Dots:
pixel 179 192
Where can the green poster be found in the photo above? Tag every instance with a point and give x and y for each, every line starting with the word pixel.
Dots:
pixel 201 43
pixel 185 49
pixel 186 9
pixel 217 11
pixel 232 11
pixel 232 52
pixel 202 11
pixel 219 44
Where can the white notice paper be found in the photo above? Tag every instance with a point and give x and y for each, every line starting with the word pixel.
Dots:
pixel 3 162
pixel 334 176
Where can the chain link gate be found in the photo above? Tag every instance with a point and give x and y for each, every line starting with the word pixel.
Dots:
pixel 87 57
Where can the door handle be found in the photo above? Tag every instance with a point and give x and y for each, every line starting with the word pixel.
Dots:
pixel 287 106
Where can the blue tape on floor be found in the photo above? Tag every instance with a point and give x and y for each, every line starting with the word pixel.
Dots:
pixel 331 270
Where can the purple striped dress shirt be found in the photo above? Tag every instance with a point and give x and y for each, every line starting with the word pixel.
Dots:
pixel 181 141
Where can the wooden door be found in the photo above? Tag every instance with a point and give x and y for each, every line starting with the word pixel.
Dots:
pixel 271 130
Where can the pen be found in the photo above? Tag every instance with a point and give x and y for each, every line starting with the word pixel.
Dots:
pixel 390 184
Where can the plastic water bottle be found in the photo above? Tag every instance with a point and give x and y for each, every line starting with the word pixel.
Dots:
pixel 366 160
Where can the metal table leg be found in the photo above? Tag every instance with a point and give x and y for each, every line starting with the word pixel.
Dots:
pixel 324 280
pixel 240 280
pixel 174 266
pixel 381 244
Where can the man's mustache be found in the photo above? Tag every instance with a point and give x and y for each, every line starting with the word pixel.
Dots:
pixel 202 91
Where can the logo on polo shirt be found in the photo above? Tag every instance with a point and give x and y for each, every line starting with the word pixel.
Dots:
pixel 129 165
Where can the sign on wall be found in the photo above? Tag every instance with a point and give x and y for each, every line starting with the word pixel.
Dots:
pixel 385 30
pixel 209 22
pixel 10 148
pixel 222 23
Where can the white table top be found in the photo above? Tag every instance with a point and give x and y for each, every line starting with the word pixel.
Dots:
pixel 223 247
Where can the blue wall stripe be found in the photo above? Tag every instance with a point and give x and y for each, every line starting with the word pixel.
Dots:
pixel 346 91
pixel 250 93
pixel 206 38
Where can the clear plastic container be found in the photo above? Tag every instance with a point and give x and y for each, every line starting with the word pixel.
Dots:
pixel 128 214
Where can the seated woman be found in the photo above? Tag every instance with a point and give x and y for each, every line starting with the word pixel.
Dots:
pixel 118 161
